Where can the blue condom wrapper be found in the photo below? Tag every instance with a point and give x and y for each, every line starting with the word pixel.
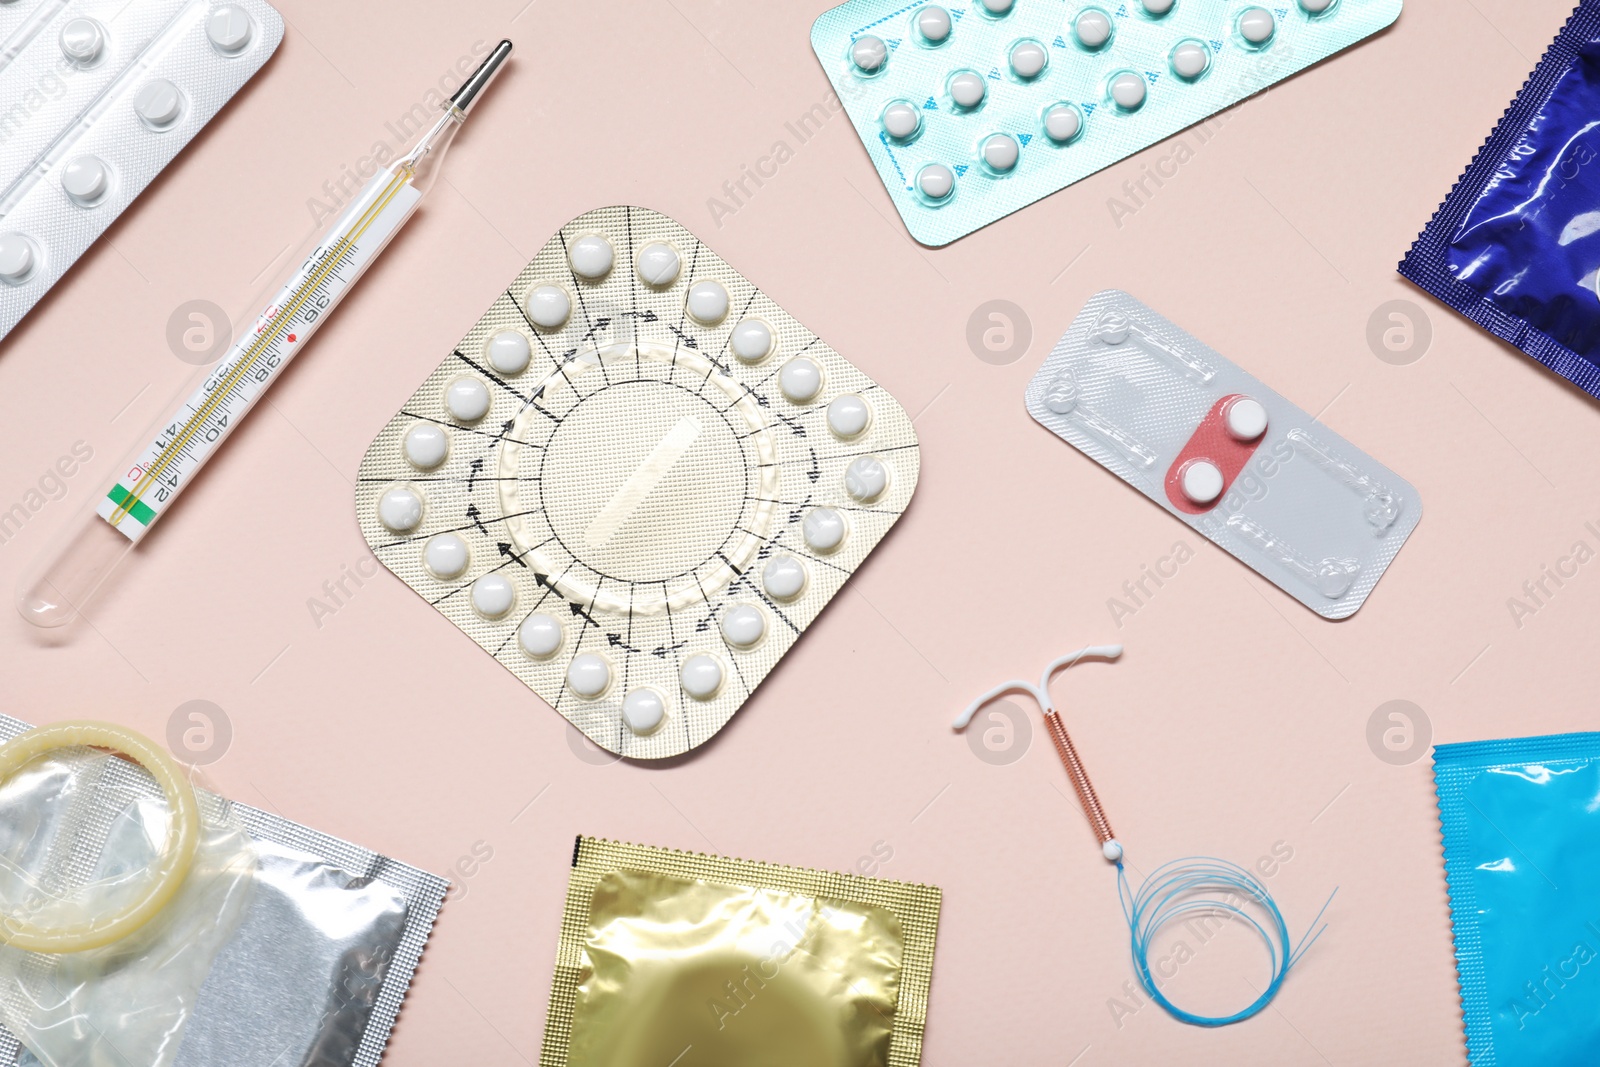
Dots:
pixel 1516 245
pixel 1521 822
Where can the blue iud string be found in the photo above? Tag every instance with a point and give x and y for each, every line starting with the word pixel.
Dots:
pixel 1175 890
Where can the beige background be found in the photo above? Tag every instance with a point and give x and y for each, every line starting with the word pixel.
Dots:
pixel 1236 722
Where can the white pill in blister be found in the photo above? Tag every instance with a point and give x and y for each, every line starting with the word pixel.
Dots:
pixel 540 635
pixel 1201 481
pixel 548 306
pixel 701 676
pixel 400 508
pixel 1028 59
pixel 1190 59
pixel 82 40
pixel 1247 418
pixel 588 675
pixel 1128 90
pixel 158 104
pixel 751 341
pixel 901 120
pixel 1062 122
pixel 823 529
pixel 997 7
pixel 467 398
pixel 425 445
pixel 17 257
pixel 591 257
pixel 229 29
pixel 1092 27
pixel 509 352
pixel 933 22
pixel 967 89
pixel 1158 7
pixel 868 53
pixel 743 625
pixel 1000 151
pixel 707 303
pixel 1257 25
pixel 783 577
pixel 936 180
pixel 493 595
pixel 446 555
pixel 800 379
pixel 848 415
pixel 1316 7
pixel 659 264
pixel 866 478
pixel 643 710
pixel 85 179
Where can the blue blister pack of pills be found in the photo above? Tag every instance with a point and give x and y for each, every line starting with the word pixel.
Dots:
pixel 973 110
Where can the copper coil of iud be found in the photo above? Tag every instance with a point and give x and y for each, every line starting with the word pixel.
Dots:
pixel 1079 776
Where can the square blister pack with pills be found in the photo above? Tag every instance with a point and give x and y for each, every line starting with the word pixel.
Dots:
pixel 637 481
pixel 973 110
pixel 1217 448
pixel 98 96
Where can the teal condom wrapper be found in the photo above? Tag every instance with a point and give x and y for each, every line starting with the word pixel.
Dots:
pixel 1521 831
pixel 973 110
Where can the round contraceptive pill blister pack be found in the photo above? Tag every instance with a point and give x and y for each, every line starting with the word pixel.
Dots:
pixel 973 110
pixel 1217 448
pixel 637 481
pixel 102 95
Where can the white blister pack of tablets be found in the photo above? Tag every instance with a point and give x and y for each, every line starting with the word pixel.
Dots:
pixel 973 110
pixel 637 481
pixel 1217 448
pixel 96 98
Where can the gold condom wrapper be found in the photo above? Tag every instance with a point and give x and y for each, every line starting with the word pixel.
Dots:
pixel 679 958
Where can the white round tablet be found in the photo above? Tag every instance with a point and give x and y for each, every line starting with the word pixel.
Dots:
pixel 1157 7
pixel 548 306
pixel 866 478
pixel 588 675
pixel 751 341
pixel 1247 419
pixel 823 529
pixel 1092 27
pixel 800 380
pixel 1190 59
pixel 933 22
pixel 997 7
pixel 1201 481
pixel 493 595
pixel 901 120
pixel 848 415
pixel 936 180
pixel 1028 59
pixel 540 635
pixel 158 104
pixel 82 40
pixel 1257 25
pixel 868 53
pixel 85 179
pixel 1315 7
pixel 591 257
pixel 1000 151
pixel 658 264
pixel 467 398
pixel 783 577
pixel 643 710
pixel 228 29
pixel 743 625
pixel 1062 123
pixel 707 303
pixel 400 508
pixel 17 257
pixel 701 676
pixel 967 89
pixel 509 352
pixel 446 556
pixel 426 445
pixel 1128 90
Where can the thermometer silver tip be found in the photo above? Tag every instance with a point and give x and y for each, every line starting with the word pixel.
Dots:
pixel 479 80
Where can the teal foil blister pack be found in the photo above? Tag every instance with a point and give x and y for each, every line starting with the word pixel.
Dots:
pixel 1221 451
pixel 973 110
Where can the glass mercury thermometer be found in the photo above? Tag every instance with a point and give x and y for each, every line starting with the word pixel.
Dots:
pixel 62 582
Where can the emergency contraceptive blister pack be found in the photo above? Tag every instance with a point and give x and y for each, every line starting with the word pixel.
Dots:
pixel 1217 448
pixel 98 97
pixel 636 482
pixel 973 110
